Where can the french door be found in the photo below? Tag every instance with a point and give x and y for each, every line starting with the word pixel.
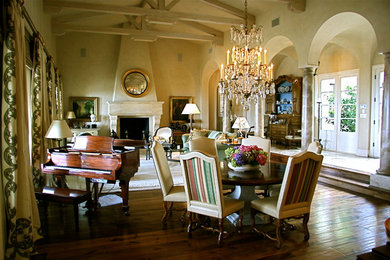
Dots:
pixel 338 107
pixel 378 78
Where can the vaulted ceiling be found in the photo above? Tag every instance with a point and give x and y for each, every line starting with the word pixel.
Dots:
pixel 147 20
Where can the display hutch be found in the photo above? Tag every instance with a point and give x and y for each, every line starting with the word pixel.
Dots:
pixel 284 108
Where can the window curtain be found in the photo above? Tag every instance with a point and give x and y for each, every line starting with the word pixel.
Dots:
pixel 40 124
pixel 22 217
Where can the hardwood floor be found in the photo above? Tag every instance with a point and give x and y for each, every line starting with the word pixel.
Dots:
pixel 342 225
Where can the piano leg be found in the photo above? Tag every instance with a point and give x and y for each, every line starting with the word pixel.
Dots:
pixel 125 195
pixel 95 196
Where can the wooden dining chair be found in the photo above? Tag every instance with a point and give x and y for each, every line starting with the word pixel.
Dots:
pixel 170 192
pixel 204 145
pixel 294 200
pixel 264 144
pixel 203 187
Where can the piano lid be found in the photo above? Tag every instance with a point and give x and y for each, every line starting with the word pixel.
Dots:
pixel 93 144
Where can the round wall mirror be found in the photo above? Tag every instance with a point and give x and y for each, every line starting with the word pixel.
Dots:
pixel 135 83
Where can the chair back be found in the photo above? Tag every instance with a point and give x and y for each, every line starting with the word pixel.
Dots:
pixel 263 143
pixel 163 135
pixel 202 184
pixel 203 144
pixel 315 147
pixel 299 182
pixel 162 168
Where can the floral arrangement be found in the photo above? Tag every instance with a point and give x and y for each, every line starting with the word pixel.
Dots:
pixel 242 155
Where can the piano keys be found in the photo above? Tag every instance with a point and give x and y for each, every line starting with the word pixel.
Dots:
pixel 95 158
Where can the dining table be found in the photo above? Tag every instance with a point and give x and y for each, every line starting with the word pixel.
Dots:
pixel 245 182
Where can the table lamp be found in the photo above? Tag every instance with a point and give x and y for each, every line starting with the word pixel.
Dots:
pixel 190 109
pixel 70 116
pixel 58 130
pixel 241 123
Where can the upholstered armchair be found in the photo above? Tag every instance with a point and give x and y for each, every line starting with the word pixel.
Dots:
pixel 203 187
pixel 164 136
pixel 170 192
pixel 315 147
pixel 296 194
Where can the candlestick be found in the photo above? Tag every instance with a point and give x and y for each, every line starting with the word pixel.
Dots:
pixel 227 57
pixel 265 56
pixel 222 72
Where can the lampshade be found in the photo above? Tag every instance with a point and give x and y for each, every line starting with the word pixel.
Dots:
pixel 70 115
pixel 241 123
pixel 58 129
pixel 190 109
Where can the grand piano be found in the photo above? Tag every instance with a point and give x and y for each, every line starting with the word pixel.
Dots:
pixel 98 160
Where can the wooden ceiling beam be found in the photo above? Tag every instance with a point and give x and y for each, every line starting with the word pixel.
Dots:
pixel 172 4
pixel 135 34
pixel 124 10
pixel 76 17
pixel 231 10
pixel 151 3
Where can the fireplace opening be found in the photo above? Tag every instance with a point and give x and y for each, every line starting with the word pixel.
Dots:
pixel 134 128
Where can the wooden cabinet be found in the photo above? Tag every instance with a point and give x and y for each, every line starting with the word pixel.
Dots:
pixel 285 106
pixel 277 132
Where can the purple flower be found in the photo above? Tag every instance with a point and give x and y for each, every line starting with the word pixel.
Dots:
pixel 240 158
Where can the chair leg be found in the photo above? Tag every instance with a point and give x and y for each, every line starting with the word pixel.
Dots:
pixel 189 228
pixel 278 233
pixel 170 209
pixel 240 220
pixel 220 236
pixel 305 228
pixel 166 211
pixel 76 215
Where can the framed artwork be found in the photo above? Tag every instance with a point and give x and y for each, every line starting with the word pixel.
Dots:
pixel 176 106
pixel 84 107
pixel 135 83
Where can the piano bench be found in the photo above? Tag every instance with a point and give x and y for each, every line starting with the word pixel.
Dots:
pixel 65 196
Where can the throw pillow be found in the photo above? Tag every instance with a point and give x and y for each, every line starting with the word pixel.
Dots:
pixel 214 134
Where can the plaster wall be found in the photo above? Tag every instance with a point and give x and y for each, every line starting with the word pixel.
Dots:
pixel 301 28
pixel 42 23
pixel 92 74
pixel 176 71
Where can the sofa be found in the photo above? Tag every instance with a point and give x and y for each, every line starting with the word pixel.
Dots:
pixel 218 136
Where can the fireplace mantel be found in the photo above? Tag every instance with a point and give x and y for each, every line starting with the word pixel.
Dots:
pixel 151 109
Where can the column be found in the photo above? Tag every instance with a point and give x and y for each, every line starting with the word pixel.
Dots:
pixel 307 107
pixel 226 126
pixel 382 178
pixel 259 118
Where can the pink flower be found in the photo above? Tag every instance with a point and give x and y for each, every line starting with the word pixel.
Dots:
pixel 261 159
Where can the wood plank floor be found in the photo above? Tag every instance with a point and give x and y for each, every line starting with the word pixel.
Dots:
pixel 342 225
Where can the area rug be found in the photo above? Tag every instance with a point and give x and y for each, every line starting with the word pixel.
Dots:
pixel 144 179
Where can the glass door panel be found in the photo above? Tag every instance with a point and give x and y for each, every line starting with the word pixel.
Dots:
pixel 346 140
pixel 327 114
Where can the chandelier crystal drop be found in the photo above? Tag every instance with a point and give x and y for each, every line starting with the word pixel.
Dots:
pixel 247 77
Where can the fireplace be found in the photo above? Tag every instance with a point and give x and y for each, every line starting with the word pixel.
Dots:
pixel 150 111
pixel 134 128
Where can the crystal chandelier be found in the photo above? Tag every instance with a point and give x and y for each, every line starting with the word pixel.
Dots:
pixel 246 77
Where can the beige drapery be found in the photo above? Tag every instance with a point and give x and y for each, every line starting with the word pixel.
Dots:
pixel 21 209
pixel 39 124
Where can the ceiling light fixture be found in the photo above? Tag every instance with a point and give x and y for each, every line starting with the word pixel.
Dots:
pixel 247 77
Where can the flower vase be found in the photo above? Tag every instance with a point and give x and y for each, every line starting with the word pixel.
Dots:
pixel 244 168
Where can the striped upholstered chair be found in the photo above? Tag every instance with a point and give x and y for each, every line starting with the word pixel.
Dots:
pixel 203 187
pixel 294 200
pixel 170 192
